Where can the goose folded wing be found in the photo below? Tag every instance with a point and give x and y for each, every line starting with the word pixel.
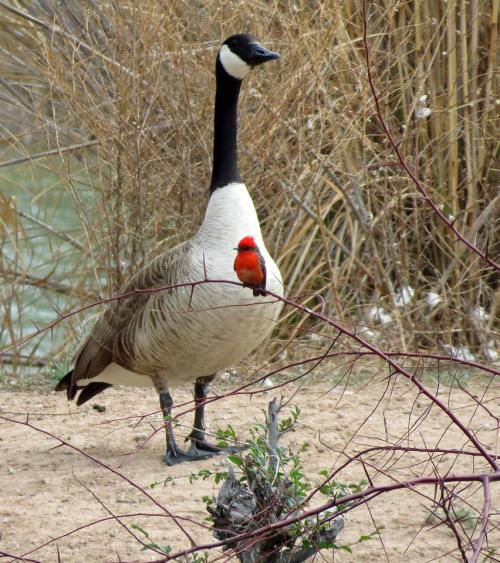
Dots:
pixel 104 344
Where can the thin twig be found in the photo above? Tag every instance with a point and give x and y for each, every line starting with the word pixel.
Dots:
pixel 60 150
pixel 63 442
pixel 50 229
pixel 484 519
pixel 363 496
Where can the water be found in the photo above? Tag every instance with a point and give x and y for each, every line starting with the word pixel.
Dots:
pixel 41 190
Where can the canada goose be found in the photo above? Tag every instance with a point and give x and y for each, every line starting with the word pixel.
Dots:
pixel 172 337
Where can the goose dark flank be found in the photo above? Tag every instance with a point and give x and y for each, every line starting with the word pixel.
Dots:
pixel 171 337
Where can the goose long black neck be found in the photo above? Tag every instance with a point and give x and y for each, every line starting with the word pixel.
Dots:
pixel 225 157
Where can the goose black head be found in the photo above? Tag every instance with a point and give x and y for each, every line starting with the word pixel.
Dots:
pixel 240 53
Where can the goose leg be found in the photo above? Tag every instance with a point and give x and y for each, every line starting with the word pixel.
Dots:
pixel 198 442
pixel 172 451
pixel 174 454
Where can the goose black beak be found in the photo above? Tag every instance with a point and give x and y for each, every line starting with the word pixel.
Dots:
pixel 260 54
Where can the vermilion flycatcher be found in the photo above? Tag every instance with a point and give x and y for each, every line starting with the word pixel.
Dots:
pixel 250 266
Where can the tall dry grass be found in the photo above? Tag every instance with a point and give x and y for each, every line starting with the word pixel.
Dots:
pixel 122 96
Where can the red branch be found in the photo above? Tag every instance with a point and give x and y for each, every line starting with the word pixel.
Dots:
pixel 362 497
pixel 484 519
pixel 358 457
pixel 292 303
pixel 17 557
pixel 402 371
pixel 104 466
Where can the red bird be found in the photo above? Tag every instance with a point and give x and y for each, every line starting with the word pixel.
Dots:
pixel 250 266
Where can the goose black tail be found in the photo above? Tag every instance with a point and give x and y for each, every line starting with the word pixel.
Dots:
pixel 91 390
pixel 66 384
pixel 87 392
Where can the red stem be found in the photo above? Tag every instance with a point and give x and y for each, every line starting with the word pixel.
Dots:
pixel 383 355
pixel 403 372
pixel 361 496
pixel 103 465
pixel 484 519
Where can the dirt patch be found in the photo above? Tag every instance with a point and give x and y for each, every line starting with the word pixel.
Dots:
pixel 47 492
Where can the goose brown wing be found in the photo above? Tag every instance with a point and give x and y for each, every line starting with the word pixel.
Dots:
pixel 104 343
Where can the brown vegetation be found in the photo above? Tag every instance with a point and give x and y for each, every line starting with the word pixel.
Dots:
pixel 121 97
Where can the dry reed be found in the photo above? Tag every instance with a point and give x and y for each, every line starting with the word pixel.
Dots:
pixel 115 101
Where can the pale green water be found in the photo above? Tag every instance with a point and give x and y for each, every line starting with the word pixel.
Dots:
pixel 40 190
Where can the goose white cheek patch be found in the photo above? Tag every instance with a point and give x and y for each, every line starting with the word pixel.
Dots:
pixel 232 64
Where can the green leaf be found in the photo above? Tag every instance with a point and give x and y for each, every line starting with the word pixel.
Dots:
pixel 236 459
pixel 204 474
pixel 139 528
pixel 220 476
pixel 165 549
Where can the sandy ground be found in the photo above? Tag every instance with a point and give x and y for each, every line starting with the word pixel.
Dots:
pixel 46 492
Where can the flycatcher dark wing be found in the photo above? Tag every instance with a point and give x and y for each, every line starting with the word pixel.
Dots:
pixel 262 285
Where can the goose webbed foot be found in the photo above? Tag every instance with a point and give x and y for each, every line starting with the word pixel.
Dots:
pixel 203 445
pixel 200 448
pixel 175 455
pixel 199 444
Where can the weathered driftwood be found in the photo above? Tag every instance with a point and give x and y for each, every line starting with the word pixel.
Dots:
pixel 261 500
